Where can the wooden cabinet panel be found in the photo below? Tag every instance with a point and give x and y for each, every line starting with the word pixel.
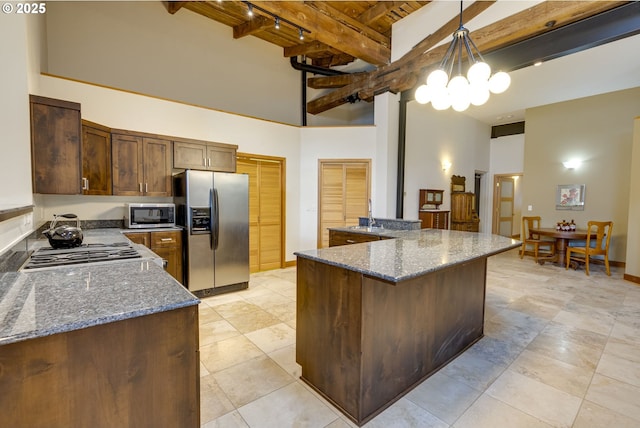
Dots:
pixel 167 244
pixel 204 156
pixel 434 219
pixel 55 146
pixel 141 166
pixel 127 165
pixel 157 159
pixel 221 158
pixel 96 159
pixel 189 155
pixel 90 377
pixel 463 216
pixel 337 238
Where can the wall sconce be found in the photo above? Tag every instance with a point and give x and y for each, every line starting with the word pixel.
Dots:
pixel 446 165
pixel 572 164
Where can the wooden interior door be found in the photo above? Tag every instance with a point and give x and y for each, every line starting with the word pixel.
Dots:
pixel 504 196
pixel 266 210
pixel 343 194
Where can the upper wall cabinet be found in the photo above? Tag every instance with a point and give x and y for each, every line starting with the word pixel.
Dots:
pixel 204 156
pixel 55 146
pixel 141 164
pixel 96 159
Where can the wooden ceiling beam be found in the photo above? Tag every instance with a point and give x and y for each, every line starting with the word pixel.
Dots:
pixel 311 48
pixel 377 11
pixel 174 6
pixel 249 28
pixel 523 25
pixel 329 31
pixel 354 23
pixel 339 81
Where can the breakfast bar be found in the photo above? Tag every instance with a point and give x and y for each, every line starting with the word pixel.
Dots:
pixel 375 319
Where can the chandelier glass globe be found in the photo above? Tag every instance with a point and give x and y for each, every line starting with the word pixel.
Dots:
pixel 437 78
pixel 499 82
pixel 423 94
pixel 478 72
pixel 440 99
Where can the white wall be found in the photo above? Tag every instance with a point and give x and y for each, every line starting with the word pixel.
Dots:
pixel 633 243
pixel 329 143
pixel 437 136
pixel 15 139
pixel 507 157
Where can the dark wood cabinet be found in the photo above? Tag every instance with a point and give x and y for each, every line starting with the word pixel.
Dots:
pixel 167 244
pixel 91 377
pixel 434 219
pixel 56 146
pixel 463 215
pixel 337 237
pixel 96 159
pixel 204 156
pixel 141 165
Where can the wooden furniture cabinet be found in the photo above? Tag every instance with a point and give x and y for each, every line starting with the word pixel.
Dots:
pixel 204 156
pixel 55 146
pixel 434 219
pixel 337 237
pixel 96 159
pixel 136 372
pixel 463 215
pixel 141 165
pixel 430 199
pixel 166 244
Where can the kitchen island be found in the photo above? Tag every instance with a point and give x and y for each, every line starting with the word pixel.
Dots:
pixel 101 345
pixel 375 319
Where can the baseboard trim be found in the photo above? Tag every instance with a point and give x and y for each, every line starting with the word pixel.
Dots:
pixel 290 263
pixel 632 278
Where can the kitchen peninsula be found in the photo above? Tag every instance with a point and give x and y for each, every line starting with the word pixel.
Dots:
pixel 375 319
pixel 99 344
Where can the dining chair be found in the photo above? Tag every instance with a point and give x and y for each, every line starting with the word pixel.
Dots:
pixel 597 247
pixel 534 240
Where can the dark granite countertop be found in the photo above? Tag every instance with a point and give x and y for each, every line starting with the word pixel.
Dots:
pixel 54 300
pixel 411 253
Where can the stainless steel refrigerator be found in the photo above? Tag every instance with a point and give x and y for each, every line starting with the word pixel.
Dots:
pixel 213 207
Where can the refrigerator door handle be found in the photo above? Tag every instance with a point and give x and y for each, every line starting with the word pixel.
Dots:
pixel 211 219
pixel 216 225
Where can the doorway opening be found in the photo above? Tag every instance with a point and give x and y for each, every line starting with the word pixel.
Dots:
pixel 507 204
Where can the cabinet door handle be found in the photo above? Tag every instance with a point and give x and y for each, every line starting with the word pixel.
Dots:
pixel 208 161
pixel 166 239
pixel 140 187
pixel 146 187
pixel 85 183
pixel 204 161
pixel 350 241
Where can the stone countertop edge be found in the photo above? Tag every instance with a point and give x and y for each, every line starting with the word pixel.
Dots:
pixel 44 302
pixel 410 253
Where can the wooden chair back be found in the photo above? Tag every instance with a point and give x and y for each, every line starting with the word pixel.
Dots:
pixel 528 223
pixel 602 230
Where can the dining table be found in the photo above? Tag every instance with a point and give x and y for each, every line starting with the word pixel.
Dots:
pixel 562 238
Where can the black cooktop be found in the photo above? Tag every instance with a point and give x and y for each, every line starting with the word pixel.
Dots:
pixel 85 253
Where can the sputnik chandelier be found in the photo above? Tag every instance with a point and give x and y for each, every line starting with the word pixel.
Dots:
pixel 458 92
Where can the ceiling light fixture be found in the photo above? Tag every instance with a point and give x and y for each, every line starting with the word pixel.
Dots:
pixel 249 9
pixel 444 91
pixel 277 23
pixel 250 12
pixel 300 34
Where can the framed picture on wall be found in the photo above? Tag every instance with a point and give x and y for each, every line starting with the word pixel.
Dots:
pixel 570 197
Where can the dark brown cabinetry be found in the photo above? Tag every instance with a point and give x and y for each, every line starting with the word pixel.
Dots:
pixel 337 237
pixel 167 244
pixel 204 156
pixel 55 146
pixel 90 377
pixel 463 216
pixel 96 159
pixel 434 219
pixel 141 165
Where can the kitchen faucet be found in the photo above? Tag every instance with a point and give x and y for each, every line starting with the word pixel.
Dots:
pixel 371 220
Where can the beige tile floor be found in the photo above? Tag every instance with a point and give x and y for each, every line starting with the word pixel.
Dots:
pixel 560 350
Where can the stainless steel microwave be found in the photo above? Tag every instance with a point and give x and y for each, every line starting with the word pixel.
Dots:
pixel 149 215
